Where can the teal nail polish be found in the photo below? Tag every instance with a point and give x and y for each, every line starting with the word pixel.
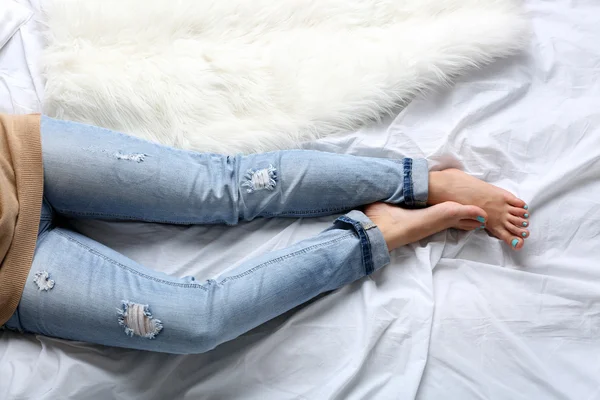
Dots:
pixel 524 234
pixel 526 207
pixel 526 215
pixel 481 219
pixel 515 242
pixel 525 224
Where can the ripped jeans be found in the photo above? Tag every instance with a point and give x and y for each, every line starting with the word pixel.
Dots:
pixel 91 172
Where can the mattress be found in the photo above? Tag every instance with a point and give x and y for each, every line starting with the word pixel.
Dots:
pixel 458 315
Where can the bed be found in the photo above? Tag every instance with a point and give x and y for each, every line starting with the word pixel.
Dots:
pixel 458 315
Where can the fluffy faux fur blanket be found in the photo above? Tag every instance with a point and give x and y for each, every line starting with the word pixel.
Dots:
pixel 241 75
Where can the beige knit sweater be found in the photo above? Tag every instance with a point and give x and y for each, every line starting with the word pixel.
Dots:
pixel 21 186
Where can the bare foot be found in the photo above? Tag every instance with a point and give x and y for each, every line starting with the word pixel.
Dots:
pixel 400 226
pixel 507 214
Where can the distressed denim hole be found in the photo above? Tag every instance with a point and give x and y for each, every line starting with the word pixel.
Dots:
pixel 137 320
pixel 260 179
pixel 43 281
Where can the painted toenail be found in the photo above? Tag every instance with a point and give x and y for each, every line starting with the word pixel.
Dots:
pixel 526 215
pixel 525 224
pixel 524 234
pixel 480 219
pixel 526 207
pixel 515 242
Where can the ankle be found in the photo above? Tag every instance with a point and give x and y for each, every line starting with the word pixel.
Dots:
pixel 436 185
pixel 386 229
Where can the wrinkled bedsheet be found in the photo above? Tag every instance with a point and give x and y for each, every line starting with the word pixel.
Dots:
pixel 457 316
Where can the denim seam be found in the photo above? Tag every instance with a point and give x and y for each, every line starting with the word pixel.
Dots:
pixel 161 146
pixel 367 255
pixel 214 221
pixel 409 198
pixel 144 141
pixel 300 213
pixel 125 267
pixel 287 256
pixel 123 217
pixel 199 286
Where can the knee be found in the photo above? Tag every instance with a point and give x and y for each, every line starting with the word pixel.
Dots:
pixel 181 333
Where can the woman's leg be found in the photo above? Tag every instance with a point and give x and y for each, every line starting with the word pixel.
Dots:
pixel 81 290
pixel 98 173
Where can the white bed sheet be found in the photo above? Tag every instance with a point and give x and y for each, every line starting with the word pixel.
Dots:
pixel 458 316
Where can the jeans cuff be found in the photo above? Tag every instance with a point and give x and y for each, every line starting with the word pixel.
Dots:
pixel 374 250
pixel 416 182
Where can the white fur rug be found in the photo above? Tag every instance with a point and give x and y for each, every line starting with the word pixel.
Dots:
pixel 242 75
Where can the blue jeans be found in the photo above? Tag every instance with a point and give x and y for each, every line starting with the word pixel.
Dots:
pixel 81 290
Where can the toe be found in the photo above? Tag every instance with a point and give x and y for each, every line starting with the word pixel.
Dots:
pixel 518 221
pixel 518 212
pixel 517 231
pixel 515 201
pixel 469 225
pixel 473 213
pixel 513 241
